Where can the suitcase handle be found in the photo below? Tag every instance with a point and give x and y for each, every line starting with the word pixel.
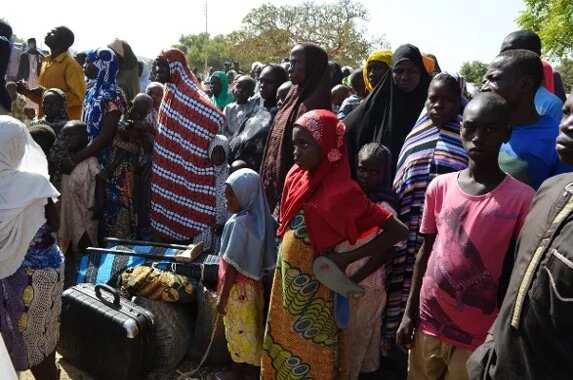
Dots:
pixel 109 289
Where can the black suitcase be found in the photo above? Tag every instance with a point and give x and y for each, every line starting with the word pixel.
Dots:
pixel 105 334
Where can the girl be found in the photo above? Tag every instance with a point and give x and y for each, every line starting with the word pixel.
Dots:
pixel 433 147
pixel 31 264
pixel 219 84
pixel 247 250
pixel 321 207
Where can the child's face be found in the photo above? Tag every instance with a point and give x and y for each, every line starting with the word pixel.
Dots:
pixel 75 138
pixel 157 94
pixel 369 173
pixel 231 201
pixel 52 105
pixel 243 90
pixel 442 104
pixel 30 112
pixel 482 132
pixel 139 110
pixel 218 156
pixel 307 151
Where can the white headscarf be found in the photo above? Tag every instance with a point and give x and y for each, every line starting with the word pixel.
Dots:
pixel 24 189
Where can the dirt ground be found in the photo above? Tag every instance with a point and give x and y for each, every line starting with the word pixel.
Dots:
pixel 69 372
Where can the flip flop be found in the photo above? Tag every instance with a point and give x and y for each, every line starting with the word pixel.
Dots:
pixel 331 276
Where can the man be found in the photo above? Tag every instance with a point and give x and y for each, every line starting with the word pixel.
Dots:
pixel 30 64
pixel 546 102
pixel 531 336
pixel 530 154
pixel 60 70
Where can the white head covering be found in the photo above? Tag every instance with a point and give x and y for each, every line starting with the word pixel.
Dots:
pixel 24 189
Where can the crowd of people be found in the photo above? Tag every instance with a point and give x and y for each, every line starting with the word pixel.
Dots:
pixel 376 223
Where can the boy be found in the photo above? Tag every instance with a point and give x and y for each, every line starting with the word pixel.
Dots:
pixel 530 338
pixel 338 94
pixel 469 222
pixel 359 88
pixel 241 109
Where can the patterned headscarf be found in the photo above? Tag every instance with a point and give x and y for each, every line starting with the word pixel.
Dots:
pixel 101 90
pixel 384 56
pixel 321 192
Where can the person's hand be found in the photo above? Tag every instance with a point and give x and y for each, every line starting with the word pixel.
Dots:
pixel 405 333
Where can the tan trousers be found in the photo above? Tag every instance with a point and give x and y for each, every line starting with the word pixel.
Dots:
pixel 433 359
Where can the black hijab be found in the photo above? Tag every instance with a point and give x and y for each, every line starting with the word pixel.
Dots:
pixel 388 114
pixel 5 50
pixel 314 93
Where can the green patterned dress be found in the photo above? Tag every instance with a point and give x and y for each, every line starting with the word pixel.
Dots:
pixel 301 339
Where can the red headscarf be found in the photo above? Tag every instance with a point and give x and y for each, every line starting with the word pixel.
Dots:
pixel 335 208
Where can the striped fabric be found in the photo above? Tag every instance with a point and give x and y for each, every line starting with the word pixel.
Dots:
pixel 427 152
pixel 183 179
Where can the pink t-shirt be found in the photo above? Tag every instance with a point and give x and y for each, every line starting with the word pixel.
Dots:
pixel 458 299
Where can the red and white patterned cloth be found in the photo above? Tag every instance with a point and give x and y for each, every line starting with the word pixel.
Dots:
pixel 183 180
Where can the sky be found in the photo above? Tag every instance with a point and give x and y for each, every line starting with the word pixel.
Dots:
pixel 454 30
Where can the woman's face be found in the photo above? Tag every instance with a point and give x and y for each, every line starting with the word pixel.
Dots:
pixel 162 72
pixel 297 69
pixel 216 85
pixel 52 105
pixel 307 151
pixel 376 71
pixel 90 70
pixel 406 75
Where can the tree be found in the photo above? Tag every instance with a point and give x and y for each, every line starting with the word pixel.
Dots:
pixel 553 21
pixel 269 32
pixel 199 46
pixel 565 68
pixel 474 71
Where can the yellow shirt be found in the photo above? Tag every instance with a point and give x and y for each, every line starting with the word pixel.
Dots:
pixel 65 73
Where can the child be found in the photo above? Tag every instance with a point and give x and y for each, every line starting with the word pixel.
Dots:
pixel 470 220
pixel 321 207
pixel 282 92
pixel 338 94
pixel 247 251
pixel 218 154
pixel 363 334
pixel 359 89
pixel 241 109
pixel 44 136
pixel 118 177
pixel 78 224
pixel 18 101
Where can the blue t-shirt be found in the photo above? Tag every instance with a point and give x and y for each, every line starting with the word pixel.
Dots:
pixel 548 104
pixel 530 154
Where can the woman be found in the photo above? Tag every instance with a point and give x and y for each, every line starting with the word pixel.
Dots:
pixel 377 65
pixel 103 105
pixel 31 264
pixel 310 77
pixel 389 113
pixel 183 180
pixel 321 207
pixel 5 50
pixel 128 75
pixel 433 147
pixel 219 83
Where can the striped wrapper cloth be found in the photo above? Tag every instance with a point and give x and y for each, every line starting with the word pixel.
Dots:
pixel 183 179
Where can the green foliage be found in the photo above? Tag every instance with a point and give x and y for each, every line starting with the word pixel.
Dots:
pixel 269 32
pixel 474 71
pixel 553 21
pixel 565 68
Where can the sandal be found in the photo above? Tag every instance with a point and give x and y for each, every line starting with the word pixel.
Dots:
pixel 331 276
